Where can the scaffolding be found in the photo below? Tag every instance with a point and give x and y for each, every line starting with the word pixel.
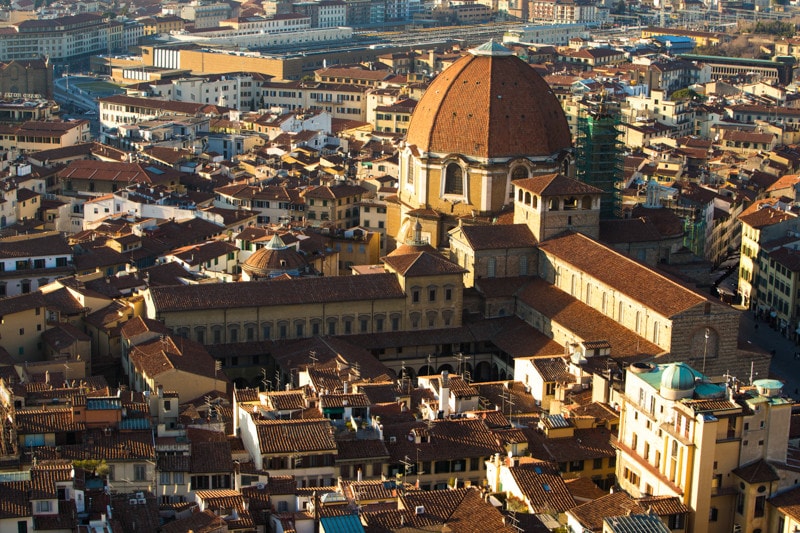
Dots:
pixel 599 155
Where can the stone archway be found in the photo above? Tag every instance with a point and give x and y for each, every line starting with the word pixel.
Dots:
pixel 483 372
pixel 426 370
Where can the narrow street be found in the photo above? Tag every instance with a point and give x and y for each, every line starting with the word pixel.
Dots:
pixel 785 366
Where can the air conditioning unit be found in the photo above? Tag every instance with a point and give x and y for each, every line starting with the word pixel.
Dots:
pixel 737 528
pixel 132 501
pixel 419 509
pixel 260 486
pixel 392 440
pixel 140 495
pixel 141 501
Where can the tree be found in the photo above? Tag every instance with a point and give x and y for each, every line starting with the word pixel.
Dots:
pixel 618 8
pixel 97 467
pixel 685 94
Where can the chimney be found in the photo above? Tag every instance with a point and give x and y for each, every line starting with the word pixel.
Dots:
pixel 315 499
pixel 444 394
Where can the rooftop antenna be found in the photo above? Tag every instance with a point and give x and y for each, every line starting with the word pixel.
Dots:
pixel 460 358
pixel 407 464
pixel 264 381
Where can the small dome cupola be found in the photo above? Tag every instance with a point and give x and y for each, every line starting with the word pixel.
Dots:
pixel 677 382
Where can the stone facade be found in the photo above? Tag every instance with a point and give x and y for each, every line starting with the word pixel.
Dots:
pixel 27 77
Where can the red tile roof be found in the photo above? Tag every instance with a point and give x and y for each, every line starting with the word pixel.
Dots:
pixel 420 264
pixel 295 436
pixel 14 500
pixel 267 293
pixel 765 216
pixel 542 486
pixel 165 354
pixel 489 106
pixel 498 237
pixel 585 322
pixel 619 272
pixel 86 169
pixel 35 245
pixel 555 185
pixel 184 108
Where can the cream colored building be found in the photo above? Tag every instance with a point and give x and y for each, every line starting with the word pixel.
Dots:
pixel 486 253
pixel 22 322
pixel 680 435
pixel 32 136
pixel 763 222
pixel 419 290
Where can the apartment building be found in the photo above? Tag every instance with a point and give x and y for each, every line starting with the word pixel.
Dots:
pixel 116 111
pixel 333 206
pixel 33 136
pixel 325 13
pixel 235 90
pixel 677 114
pixel 766 221
pixel 342 101
pixel 204 15
pixel 681 435
pixel 272 204
pixel 63 39
pixel 258 32
pixel 28 262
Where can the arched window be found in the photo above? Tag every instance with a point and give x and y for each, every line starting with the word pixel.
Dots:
pixel 519 194
pixel 409 170
pixel 519 173
pixel 535 201
pixel 527 198
pixel 454 180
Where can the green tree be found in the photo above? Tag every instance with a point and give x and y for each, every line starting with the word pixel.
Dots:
pixel 97 467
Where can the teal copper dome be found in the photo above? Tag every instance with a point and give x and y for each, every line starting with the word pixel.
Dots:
pixel 677 381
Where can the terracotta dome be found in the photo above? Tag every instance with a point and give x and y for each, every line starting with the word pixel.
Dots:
pixel 274 258
pixel 489 104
